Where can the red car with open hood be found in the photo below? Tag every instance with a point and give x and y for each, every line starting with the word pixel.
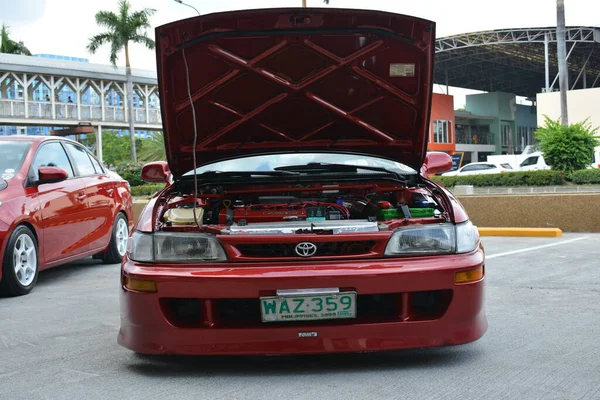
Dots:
pixel 299 218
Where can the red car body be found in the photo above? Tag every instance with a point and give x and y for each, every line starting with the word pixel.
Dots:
pixel 369 259
pixel 69 214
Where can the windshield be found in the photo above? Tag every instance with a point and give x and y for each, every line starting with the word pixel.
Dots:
pixel 12 155
pixel 271 162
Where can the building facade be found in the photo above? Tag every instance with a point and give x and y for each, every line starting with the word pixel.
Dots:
pixel 581 105
pixel 491 123
pixel 442 131
pixel 13 90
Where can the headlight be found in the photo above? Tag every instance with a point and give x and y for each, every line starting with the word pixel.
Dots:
pixel 467 237
pixel 140 247
pixel 433 239
pixel 422 239
pixel 175 247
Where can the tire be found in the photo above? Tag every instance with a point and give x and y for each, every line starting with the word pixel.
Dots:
pixel 118 241
pixel 20 263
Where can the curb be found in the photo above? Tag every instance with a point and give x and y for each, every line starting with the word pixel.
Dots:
pixel 531 232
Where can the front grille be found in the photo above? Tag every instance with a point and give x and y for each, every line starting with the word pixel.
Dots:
pixel 324 249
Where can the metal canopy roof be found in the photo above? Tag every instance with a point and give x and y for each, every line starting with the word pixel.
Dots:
pixel 39 65
pixel 513 60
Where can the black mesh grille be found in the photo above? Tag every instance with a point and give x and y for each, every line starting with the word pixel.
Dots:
pixel 324 249
pixel 244 313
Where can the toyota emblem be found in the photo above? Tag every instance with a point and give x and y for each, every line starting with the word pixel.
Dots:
pixel 306 249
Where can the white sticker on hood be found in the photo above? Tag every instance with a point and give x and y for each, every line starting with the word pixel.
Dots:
pixel 7 176
pixel 402 70
pixel 9 171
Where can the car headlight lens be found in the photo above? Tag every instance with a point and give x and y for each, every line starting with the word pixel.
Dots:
pixel 140 247
pixel 467 237
pixel 422 239
pixel 175 247
pixel 433 239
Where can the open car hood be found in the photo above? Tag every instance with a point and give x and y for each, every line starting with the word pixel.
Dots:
pixel 288 80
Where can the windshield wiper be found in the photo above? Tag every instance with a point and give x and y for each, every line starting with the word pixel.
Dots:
pixel 317 167
pixel 244 173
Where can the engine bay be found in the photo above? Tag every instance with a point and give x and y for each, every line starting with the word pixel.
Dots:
pixel 306 208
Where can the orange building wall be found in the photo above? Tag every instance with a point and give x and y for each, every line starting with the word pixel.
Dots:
pixel 442 108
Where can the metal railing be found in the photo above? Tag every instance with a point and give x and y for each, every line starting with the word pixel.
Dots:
pixel 68 111
pixel 12 108
pixel 474 137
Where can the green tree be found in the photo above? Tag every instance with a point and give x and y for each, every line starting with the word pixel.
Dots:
pixel 7 45
pixel 122 29
pixel 115 149
pixel 567 148
pixel 153 148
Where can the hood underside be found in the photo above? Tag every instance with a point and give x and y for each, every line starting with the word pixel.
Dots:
pixel 286 80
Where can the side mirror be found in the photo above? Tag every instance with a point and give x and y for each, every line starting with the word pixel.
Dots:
pixel 156 172
pixel 51 174
pixel 436 162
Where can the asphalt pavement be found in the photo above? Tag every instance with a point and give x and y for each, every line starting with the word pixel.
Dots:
pixel 543 307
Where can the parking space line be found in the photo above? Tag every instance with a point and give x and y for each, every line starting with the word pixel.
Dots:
pixel 543 246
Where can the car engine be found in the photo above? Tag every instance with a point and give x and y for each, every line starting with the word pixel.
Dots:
pixel 316 208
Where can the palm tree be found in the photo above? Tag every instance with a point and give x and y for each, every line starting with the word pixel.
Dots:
pixel 153 148
pixel 304 2
pixel 7 45
pixel 121 29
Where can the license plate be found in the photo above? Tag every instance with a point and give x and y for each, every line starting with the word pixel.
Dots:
pixel 308 306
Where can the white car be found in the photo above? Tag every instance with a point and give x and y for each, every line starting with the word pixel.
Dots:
pixel 481 168
pixel 533 162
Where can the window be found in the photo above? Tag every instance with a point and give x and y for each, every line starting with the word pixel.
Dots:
pixel 505 134
pixel 12 155
pixel 82 160
pixel 270 162
pixel 471 168
pixel 530 161
pixel 525 136
pixel 97 166
pixel 441 131
pixel 506 166
pixel 51 155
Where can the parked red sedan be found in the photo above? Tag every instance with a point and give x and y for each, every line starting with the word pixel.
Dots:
pixel 57 204
pixel 300 219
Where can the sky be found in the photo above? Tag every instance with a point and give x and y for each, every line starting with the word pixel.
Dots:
pixel 63 27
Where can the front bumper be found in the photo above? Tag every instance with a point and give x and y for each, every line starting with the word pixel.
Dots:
pixel 146 329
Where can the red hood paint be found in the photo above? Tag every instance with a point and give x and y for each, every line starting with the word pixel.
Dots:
pixel 281 80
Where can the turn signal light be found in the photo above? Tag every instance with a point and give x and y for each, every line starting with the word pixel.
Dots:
pixel 471 275
pixel 139 285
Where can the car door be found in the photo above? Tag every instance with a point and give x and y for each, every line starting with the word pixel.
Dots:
pixel 489 169
pixel 99 188
pixel 64 223
pixel 529 164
